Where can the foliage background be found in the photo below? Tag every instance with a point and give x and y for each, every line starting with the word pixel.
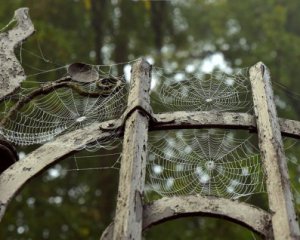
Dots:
pixel 79 205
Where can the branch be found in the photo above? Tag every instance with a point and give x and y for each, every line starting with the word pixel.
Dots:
pixel 11 72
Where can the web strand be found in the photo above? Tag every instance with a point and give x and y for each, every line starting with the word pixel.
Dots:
pixel 217 91
pixel 45 111
pixel 203 162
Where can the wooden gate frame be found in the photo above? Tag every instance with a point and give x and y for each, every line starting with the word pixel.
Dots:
pixel 132 216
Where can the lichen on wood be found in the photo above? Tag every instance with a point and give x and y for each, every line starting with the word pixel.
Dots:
pixel 280 198
pixel 169 208
pixel 11 71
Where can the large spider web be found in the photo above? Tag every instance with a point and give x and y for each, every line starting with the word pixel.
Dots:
pixel 42 110
pixel 207 162
pixel 217 91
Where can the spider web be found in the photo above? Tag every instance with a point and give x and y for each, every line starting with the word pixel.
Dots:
pixel 217 91
pixel 207 162
pixel 108 157
pixel 28 118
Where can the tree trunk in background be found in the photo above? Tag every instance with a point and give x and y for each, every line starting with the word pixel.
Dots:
pixel 158 19
pixel 161 25
pixel 121 37
pixel 99 21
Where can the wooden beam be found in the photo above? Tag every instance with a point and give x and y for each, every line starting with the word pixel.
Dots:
pixel 212 119
pixel 168 208
pixel 203 119
pixel 280 198
pixel 226 120
pixel 129 210
pixel 11 71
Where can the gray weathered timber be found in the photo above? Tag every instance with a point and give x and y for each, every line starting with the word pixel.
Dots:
pixel 244 214
pixel 280 198
pixel 227 120
pixel 203 119
pixel 11 72
pixel 22 171
pixel 289 128
pixel 129 210
pixel 168 208
pixel 139 87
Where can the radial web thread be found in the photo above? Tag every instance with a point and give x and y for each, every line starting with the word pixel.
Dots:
pixel 217 91
pixel 206 162
pixel 62 105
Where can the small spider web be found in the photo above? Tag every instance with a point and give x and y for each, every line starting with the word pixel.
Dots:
pixel 218 91
pixel 105 156
pixel 29 118
pixel 206 162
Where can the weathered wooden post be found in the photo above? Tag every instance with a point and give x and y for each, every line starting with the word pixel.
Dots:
pixel 281 205
pixel 129 210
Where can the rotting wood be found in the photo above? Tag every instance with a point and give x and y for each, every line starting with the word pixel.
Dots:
pixel 168 208
pixel 244 214
pixel 11 72
pixel 212 119
pixel 203 119
pixel 22 171
pixel 280 198
pixel 129 210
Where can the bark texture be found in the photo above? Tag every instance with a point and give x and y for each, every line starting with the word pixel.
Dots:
pixel 129 210
pixel 280 198
pixel 167 208
pixel 11 71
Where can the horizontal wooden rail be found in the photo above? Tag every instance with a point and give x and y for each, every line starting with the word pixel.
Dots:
pixel 228 120
pixel 22 171
pixel 167 208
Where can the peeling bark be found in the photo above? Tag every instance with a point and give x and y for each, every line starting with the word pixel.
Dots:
pixel 11 72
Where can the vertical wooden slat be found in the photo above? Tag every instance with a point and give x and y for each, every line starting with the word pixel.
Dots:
pixel 280 198
pixel 129 210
